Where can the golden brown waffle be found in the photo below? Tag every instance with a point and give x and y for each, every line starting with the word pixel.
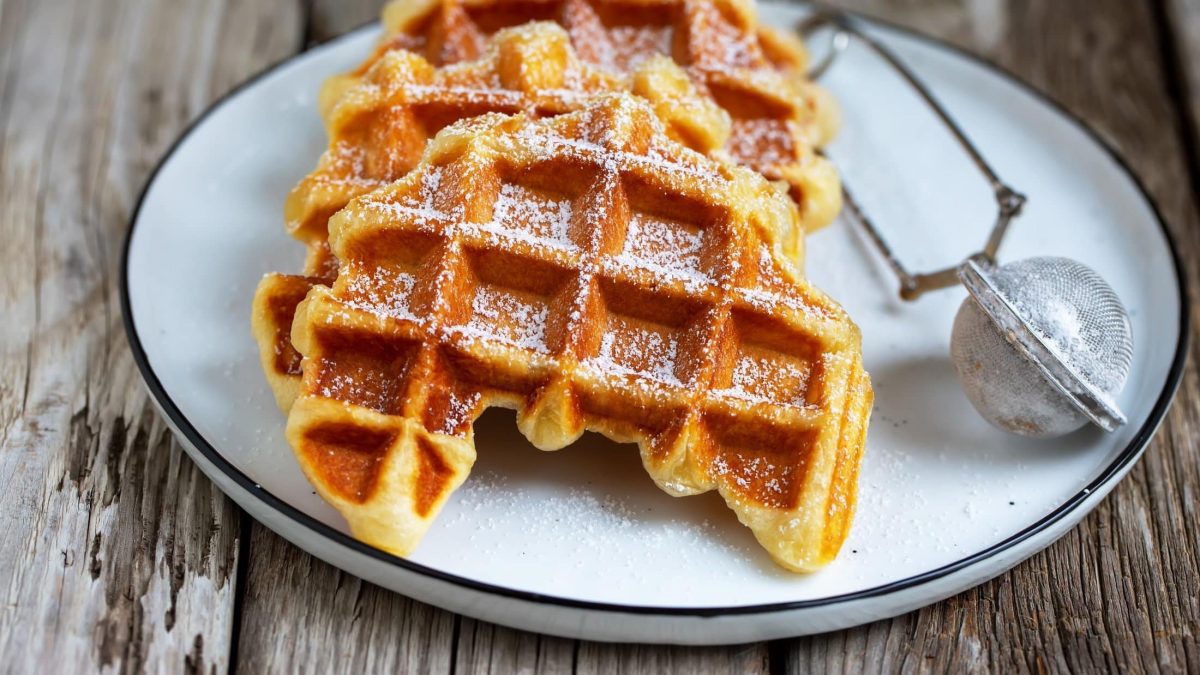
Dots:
pixel 382 120
pixel 593 274
pixel 379 122
pixel 756 74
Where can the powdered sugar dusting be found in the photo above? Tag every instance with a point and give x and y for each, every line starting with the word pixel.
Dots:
pixel 421 209
pixel 761 142
pixel 1058 325
pixel 582 525
pixel 760 379
pixel 596 151
pixel 519 208
pixel 381 291
pixel 497 314
pixel 667 247
pixel 634 351
pixel 460 407
pixel 345 163
pixel 753 471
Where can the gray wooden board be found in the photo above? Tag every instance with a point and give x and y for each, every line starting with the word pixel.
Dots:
pixel 115 551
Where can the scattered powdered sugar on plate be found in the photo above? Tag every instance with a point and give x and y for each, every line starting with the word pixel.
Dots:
pixel 959 495
pixel 583 525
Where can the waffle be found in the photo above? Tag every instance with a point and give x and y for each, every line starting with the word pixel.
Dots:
pixel 382 120
pixel 379 122
pixel 593 274
pixel 755 73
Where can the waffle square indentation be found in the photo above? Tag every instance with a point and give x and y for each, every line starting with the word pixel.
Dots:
pixel 364 369
pixel 772 363
pixel 382 272
pixel 515 317
pixel 527 213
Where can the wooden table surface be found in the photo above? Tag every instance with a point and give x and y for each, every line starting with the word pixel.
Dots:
pixel 116 553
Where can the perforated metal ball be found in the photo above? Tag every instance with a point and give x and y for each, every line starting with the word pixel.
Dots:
pixel 1075 313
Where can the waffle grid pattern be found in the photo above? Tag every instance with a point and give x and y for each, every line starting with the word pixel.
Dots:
pixel 755 74
pixel 478 281
pixel 382 122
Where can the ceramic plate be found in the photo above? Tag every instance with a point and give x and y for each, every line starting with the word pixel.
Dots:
pixel 580 542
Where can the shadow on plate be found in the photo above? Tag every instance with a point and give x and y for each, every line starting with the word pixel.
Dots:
pixel 921 402
pixel 610 473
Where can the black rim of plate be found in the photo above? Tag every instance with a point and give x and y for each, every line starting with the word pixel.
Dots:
pixel 1126 457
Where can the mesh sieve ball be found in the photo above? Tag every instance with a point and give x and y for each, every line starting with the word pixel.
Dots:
pixel 1041 345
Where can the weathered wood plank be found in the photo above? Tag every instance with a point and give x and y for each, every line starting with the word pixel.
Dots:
pixel 1118 592
pixel 487 648
pixel 114 551
pixel 596 658
pixel 302 615
pixel 330 18
pixel 1183 23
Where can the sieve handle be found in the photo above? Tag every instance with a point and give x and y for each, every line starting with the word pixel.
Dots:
pixel 1009 201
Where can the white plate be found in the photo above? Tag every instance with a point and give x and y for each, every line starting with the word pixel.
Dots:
pixel 581 543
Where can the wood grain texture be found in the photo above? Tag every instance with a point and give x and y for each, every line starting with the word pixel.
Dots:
pixel 598 658
pixel 1182 27
pixel 487 648
pixel 330 18
pixel 300 615
pixel 115 552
